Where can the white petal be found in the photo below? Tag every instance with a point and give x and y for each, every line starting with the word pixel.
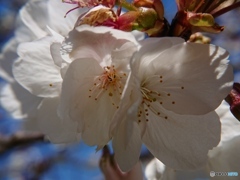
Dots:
pixel 35 17
pixel 58 37
pixel 138 35
pixel 122 55
pixel 49 123
pixel 230 125
pixel 182 142
pixel 128 107
pixel 127 155
pixel 97 118
pixel 22 32
pixel 7 58
pixel 226 157
pixel 57 10
pixel 18 101
pixel 55 52
pixel 93 116
pixel 154 170
pixel 36 71
pixel 195 77
pixel 96 42
pixel 151 48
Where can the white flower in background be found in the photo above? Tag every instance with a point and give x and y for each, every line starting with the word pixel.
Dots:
pixel 34 21
pixel 223 158
pixel 169 101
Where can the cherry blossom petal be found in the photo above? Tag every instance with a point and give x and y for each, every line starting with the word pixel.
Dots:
pixel 154 169
pixel 18 101
pixel 182 142
pixel 39 14
pixel 36 71
pixel 93 116
pixel 96 42
pixel 122 55
pixel 128 109
pixel 34 16
pixel 230 125
pixel 150 49
pixel 7 57
pixel 127 155
pixel 55 52
pixel 191 82
pixel 226 157
pixel 49 123
pixel 57 20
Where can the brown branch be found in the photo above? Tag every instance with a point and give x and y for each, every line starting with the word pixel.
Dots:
pixel 18 139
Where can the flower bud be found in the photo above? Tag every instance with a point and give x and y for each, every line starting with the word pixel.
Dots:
pixel 99 16
pixel 200 19
pixel 154 4
pixel 199 38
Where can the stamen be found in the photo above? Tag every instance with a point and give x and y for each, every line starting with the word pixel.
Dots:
pixel 110 80
pixel 70 11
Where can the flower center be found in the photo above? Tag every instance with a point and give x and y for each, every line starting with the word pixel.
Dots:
pixel 149 100
pixel 110 81
pixel 152 100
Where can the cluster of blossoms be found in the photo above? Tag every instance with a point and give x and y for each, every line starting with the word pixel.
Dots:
pixel 86 78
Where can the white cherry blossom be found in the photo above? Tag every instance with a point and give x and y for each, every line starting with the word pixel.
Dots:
pixel 169 101
pixel 36 20
pixel 94 80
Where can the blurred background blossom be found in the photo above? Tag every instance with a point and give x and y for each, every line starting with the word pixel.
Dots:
pixel 42 160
